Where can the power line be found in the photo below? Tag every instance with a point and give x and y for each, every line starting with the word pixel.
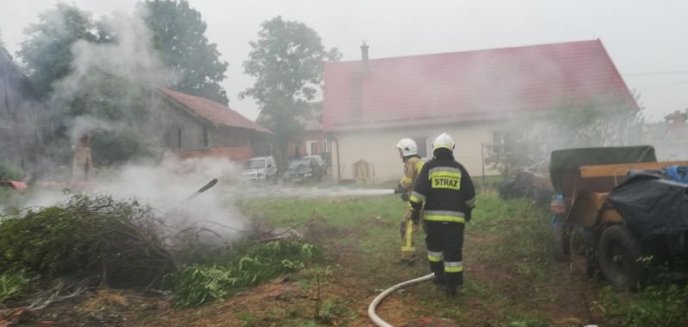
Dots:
pixel 666 72
pixel 665 85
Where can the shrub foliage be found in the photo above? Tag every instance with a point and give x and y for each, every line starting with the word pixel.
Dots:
pixel 197 285
pixel 87 236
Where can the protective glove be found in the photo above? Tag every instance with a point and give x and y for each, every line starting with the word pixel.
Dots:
pixel 415 217
pixel 404 197
pixel 468 215
pixel 398 189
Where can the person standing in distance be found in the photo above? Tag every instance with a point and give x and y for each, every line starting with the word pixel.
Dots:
pixel 445 193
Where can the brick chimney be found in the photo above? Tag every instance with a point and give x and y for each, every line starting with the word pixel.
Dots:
pixel 364 53
pixel 357 78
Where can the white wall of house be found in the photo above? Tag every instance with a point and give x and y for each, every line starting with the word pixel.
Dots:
pixel 377 147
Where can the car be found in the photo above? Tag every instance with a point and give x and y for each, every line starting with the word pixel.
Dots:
pixel 302 170
pixel 260 169
pixel 322 166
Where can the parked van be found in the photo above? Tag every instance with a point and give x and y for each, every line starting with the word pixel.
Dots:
pixel 260 169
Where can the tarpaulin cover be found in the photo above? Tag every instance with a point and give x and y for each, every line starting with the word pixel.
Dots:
pixel 651 205
pixel 565 163
pixel 677 173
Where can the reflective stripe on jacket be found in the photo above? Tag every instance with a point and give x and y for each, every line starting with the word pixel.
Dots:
pixel 445 190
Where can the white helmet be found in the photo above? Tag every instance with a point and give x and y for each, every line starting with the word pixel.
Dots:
pixel 444 141
pixel 408 147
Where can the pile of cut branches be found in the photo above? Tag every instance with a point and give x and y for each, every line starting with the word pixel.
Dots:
pixel 119 243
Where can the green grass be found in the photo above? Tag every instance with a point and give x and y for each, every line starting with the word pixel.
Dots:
pixel 521 232
pixel 369 227
pixel 657 305
pixel 340 212
pixel 509 239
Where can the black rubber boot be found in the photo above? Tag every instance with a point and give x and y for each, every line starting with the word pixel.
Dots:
pixel 453 280
pixel 450 291
pixel 438 269
pixel 438 281
pixel 459 279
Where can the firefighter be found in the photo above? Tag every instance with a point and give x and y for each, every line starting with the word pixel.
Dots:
pixel 408 151
pixel 445 193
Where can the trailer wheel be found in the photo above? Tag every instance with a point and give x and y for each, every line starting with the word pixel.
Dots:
pixel 561 242
pixel 618 255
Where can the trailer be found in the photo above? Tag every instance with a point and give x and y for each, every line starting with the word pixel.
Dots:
pixel 618 212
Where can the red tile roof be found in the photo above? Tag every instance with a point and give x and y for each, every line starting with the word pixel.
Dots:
pixel 459 86
pixel 215 113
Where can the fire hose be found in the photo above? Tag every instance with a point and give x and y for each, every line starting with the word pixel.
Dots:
pixel 371 308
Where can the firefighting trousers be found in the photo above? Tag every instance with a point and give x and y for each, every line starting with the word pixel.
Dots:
pixel 406 229
pixel 444 242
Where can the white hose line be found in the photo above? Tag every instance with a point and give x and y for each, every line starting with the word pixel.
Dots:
pixel 371 308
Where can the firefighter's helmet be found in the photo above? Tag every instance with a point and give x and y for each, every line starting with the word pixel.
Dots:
pixel 408 147
pixel 443 141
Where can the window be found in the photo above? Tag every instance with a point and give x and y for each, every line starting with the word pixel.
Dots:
pixel 325 146
pixel 311 147
pixel 422 146
pixel 179 138
pixel 206 136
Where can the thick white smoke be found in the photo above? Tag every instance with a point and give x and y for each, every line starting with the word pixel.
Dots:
pixel 169 187
pixel 130 57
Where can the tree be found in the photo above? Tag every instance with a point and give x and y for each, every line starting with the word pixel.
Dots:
pixel 525 142
pixel 287 61
pixel 595 123
pixel 178 36
pixel 75 64
pixel 47 50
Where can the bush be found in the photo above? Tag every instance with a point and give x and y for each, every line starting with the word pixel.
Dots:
pixel 86 236
pixel 124 244
pixel 249 265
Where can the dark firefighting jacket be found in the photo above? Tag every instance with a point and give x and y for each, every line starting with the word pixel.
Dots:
pixel 446 189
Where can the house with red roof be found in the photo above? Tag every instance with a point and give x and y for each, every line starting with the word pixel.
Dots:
pixel 192 126
pixel 370 104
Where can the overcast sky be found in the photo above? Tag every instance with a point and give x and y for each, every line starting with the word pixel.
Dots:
pixel 647 40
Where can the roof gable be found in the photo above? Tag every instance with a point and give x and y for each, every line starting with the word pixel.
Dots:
pixel 215 113
pixel 467 85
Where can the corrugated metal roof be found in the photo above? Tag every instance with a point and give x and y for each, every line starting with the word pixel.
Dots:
pixel 472 84
pixel 215 113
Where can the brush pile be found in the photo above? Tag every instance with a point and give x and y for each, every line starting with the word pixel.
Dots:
pixel 116 243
